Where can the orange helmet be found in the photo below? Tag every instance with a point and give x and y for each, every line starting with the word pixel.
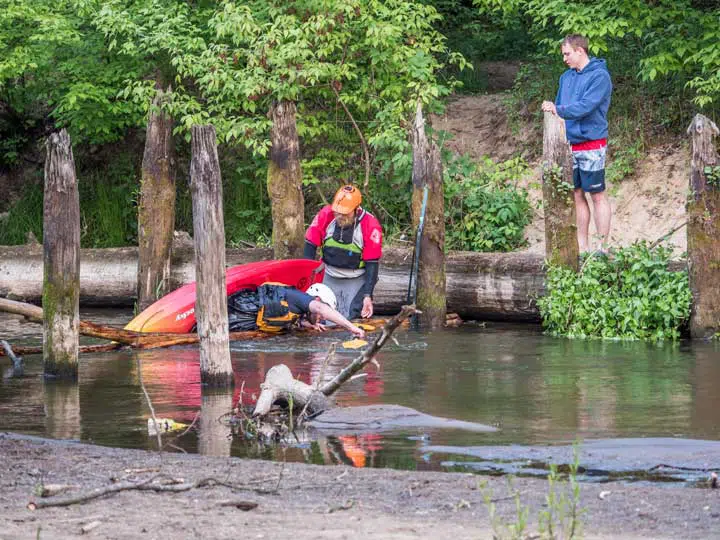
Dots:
pixel 346 200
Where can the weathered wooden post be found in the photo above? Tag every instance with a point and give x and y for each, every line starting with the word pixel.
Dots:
pixel 703 229
pixel 209 231
pixel 156 208
pixel 428 214
pixel 284 183
pixel 61 249
pixel 561 245
pixel 215 435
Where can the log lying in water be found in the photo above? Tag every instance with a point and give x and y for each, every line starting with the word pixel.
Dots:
pixel 479 285
pixel 143 340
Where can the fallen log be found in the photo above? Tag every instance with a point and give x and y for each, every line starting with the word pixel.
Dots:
pixel 143 340
pixel 479 285
pixel 492 286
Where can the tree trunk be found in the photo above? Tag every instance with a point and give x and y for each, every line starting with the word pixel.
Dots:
pixel 703 229
pixel 561 246
pixel 428 213
pixel 61 247
pixel 284 183
pixel 209 232
pixel 156 208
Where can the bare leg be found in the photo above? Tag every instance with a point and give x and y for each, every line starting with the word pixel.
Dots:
pixel 602 213
pixel 582 219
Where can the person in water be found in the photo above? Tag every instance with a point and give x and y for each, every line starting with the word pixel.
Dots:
pixel 351 242
pixel 275 307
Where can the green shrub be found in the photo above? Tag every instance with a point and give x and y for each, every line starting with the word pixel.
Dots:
pixel 631 295
pixel 484 211
pixel 26 215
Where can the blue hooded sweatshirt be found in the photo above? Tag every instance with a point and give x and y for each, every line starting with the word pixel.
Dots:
pixel 583 100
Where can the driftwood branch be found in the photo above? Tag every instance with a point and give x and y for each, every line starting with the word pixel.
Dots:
pixel 16 360
pixel 356 365
pixel 667 235
pixel 149 484
pixel 280 386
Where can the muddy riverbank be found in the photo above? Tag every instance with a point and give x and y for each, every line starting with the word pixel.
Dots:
pixel 306 501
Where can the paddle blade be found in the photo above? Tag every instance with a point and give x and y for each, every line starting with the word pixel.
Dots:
pixel 354 343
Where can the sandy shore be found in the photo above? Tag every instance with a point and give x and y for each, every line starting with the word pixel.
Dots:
pixel 307 501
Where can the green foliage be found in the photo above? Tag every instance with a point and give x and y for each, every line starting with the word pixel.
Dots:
pixel 247 206
pixel 26 215
pixel 712 175
pixel 623 161
pixel 480 37
pixel 108 205
pixel 56 70
pixel 561 516
pixel 484 210
pixel 631 295
pixel 668 39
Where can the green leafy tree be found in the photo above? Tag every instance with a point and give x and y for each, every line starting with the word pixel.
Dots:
pixel 57 72
pixel 669 38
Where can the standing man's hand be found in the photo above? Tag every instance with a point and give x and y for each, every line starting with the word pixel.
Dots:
pixel 367 309
pixel 549 106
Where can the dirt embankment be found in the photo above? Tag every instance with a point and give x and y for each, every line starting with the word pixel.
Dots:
pixel 646 205
pixel 308 501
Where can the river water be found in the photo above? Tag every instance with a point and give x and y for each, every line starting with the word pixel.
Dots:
pixel 542 393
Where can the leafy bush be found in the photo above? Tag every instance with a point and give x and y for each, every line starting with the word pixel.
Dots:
pixel 484 210
pixel 26 215
pixel 631 295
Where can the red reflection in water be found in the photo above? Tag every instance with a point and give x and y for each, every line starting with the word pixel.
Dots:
pixel 359 447
pixel 174 381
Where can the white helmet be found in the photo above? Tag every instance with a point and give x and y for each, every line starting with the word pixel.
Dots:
pixel 324 292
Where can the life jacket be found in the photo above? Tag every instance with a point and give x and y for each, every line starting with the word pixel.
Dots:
pixel 274 314
pixel 343 249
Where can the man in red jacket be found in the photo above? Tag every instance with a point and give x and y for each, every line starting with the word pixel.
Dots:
pixel 351 242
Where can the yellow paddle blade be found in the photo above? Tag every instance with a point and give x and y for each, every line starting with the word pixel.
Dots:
pixel 365 326
pixel 354 343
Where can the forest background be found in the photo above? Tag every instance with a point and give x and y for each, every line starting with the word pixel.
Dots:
pixel 355 71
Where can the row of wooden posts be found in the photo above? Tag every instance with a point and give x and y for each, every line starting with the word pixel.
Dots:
pixel 61 238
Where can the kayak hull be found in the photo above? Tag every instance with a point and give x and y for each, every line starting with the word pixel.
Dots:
pixel 175 312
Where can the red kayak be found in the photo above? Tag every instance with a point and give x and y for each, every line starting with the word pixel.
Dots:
pixel 175 312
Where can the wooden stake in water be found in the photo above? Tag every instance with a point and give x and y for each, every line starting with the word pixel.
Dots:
pixel 703 229
pixel 428 211
pixel 209 232
pixel 61 248
pixel 561 245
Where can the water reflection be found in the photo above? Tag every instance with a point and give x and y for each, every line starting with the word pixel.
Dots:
pixel 215 436
pixel 62 409
pixel 537 389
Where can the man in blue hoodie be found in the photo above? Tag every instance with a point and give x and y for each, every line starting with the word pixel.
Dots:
pixel 582 101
